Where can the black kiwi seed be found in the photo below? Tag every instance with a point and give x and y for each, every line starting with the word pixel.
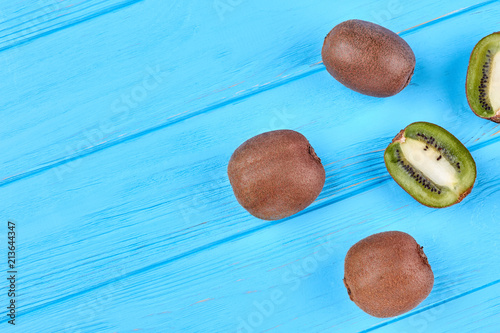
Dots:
pixel 483 77
pixel 431 165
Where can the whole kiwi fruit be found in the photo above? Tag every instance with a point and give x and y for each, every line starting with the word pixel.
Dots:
pixel 429 163
pixel 483 78
pixel 368 58
pixel 276 174
pixel 387 274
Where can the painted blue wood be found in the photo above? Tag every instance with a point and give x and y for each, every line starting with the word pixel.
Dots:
pixel 117 128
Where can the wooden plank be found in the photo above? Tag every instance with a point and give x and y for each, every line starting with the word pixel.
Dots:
pixel 474 311
pixel 23 23
pixel 147 230
pixel 302 258
pixel 87 100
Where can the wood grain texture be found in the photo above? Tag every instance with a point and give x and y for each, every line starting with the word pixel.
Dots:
pixel 115 138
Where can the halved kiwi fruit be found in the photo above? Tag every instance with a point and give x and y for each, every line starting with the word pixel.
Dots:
pixel 431 165
pixel 483 78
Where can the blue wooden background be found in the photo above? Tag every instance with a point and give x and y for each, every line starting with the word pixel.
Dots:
pixel 119 118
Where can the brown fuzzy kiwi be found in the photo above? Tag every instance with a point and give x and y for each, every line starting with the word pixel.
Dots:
pixel 276 174
pixel 368 58
pixel 387 274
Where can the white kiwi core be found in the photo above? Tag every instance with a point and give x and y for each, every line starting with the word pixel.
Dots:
pixel 494 91
pixel 429 161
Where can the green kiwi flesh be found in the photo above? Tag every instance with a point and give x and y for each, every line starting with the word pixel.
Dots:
pixel 431 165
pixel 483 78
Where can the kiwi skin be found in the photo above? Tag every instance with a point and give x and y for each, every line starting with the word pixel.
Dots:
pixel 276 174
pixel 387 274
pixel 368 58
